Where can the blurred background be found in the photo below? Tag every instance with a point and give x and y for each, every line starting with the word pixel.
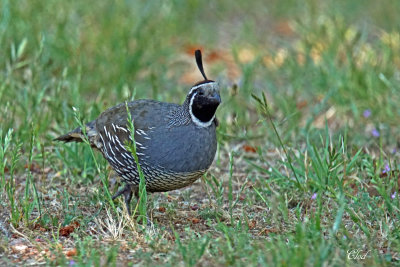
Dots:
pixel 309 57
pixel 330 74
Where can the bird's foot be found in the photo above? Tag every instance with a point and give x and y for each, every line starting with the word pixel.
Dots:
pixel 127 192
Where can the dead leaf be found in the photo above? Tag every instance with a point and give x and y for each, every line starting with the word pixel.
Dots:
pixel 67 230
pixel 71 252
pixel 161 209
pixel 249 149
pixel 213 56
pixel 194 220
pixel 301 104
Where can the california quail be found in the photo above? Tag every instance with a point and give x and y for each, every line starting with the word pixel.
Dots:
pixel 176 144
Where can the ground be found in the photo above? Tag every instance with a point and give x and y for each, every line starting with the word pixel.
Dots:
pixel 307 167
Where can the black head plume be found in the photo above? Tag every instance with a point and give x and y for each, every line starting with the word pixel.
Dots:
pixel 199 62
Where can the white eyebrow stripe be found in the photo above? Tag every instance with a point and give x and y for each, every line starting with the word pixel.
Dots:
pixel 198 86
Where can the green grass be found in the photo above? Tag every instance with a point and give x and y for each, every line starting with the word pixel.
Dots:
pixel 300 178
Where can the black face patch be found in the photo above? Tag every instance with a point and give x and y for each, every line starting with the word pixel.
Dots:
pixel 203 108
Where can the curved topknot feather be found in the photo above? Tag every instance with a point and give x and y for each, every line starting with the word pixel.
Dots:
pixel 199 62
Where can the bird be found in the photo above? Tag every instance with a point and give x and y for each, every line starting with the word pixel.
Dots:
pixel 175 143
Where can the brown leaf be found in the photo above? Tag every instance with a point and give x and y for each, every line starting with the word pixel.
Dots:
pixel 250 149
pixel 213 56
pixel 71 252
pixel 67 230
pixel 161 209
pixel 301 104
pixel 194 220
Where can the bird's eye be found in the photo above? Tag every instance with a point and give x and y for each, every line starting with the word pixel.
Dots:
pixel 201 92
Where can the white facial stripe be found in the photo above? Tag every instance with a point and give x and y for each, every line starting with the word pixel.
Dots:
pixel 198 86
pixel 196 120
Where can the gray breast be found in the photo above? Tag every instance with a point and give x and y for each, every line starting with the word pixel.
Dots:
pixel 185 148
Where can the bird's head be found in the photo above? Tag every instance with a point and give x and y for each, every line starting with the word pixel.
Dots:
pixel 203 98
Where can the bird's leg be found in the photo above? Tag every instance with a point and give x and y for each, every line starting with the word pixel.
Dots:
pixel 137 195
pixel 127 192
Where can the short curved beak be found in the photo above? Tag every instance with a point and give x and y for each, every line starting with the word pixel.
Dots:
pixel 216 97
